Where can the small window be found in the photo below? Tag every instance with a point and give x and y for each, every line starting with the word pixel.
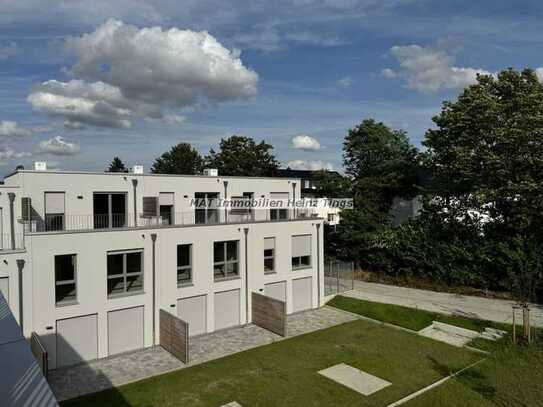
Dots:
pixel 65 279
pixel 269 255
pixel 225 259
pixel 184 264
pixel 301 251
pixel 124 273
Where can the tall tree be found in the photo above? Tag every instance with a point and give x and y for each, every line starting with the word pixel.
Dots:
pixel 381 161
pixel 117 165
pixel 181 159
pixel 331 184
pixel 239 155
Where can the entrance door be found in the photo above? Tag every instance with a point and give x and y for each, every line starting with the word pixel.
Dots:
pixel 301 294
pixel 227 305
pixel 125 330
pixel 77 340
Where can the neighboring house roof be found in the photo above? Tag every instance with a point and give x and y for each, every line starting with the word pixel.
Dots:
pixel 23 383
pixel 305 174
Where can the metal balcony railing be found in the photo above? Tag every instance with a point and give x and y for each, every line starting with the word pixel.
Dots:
pixel 60 222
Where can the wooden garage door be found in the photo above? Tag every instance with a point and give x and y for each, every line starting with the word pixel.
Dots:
pixel 276 290
pixel 301 294
pixel 77 340
pixel 226 307
pixel 194 311
pixel 125 330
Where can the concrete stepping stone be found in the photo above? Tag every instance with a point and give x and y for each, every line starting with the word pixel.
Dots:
pixel 355 379
pixel 232 404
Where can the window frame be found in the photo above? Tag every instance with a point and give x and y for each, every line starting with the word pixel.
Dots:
pixel 47 217
pixel 66 282
pixel 296 261
pixel 272 257
pixel 124 275
pixel 225 263
pixel 184 268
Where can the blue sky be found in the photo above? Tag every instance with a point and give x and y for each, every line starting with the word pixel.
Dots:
pixel 80 83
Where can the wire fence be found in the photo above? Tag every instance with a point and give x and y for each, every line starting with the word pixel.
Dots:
pixel 338 276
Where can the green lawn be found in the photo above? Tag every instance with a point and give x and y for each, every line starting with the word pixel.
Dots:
pixel 510 376
pixel 285 373
pixel 410 318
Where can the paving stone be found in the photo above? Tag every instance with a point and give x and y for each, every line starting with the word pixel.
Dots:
pixel 355 379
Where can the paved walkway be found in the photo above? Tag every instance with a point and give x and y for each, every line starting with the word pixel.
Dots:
pixel 105 373
pixel 453 304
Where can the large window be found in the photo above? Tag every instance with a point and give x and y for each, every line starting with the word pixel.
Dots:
pixel 184 264
pixel 301 251
pixel 54 211
pixel 124 272
pixel 225 259
pixel 109 210
pixel 269 255
pixel 278 197
pixel 65 279
pixel 241 208
pixel 206 207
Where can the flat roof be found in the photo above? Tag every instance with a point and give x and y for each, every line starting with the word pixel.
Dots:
pixel 131 174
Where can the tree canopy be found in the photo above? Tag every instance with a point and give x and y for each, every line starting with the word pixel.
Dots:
pixel 239 155
pixel 117 165
pixel 180 159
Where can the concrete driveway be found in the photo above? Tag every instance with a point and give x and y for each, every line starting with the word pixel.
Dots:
pixel 453 304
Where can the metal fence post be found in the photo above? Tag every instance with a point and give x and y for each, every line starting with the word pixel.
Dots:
pixel 337 278
pixel 352 275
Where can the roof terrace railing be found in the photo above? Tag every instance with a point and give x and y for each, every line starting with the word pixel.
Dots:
pixel 62 222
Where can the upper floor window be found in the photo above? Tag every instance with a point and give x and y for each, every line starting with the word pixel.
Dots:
pixel 184 264
pixel 279 213
pixel 65 279
pixel 54 211
pixel 301 251
pixel 109 210
pixel 124 272
pixel 206 210
pixel 269 255
pixel 225 259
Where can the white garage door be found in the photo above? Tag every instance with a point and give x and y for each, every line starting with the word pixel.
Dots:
pixel 276 290
pixel 125 330
pixel 301 294
pixel 4 288
pixel 226 309
pixel 77 340
pixel 194 311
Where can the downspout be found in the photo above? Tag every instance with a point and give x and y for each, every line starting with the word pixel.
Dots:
pixel 11 196
pixel 20 266
pixel 135 184
pixel 225 183
pixel 246 231
pixel 294 200
pixel 318 265
pixel 153 238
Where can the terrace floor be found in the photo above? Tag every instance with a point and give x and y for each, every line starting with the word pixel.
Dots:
pixel 117 370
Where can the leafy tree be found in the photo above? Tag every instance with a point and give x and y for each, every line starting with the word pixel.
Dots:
pixel 381 161
pixel 239 155
pixel 117 165
pixel 331 184
pixel 181 159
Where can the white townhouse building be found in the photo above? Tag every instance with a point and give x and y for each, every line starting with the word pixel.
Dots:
pixel 87 259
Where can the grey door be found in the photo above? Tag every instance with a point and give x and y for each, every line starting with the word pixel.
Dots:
pixel 276 290
pixel 77 340
pixel 4 288
pixel 226 307
pixel 301 294
pixel 125 330
pixel 194 311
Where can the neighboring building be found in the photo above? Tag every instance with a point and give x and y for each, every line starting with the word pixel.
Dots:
pixel 89 259
pixel 404 209
pixel 330 215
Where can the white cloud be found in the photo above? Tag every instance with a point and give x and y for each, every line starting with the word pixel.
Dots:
pixel 12 129
pixel 345 82
pixel 8 50
pixel 305 142
pixel 58 146
pixel 429 69
pixel 312 165
pixel 7 153
pixel 122 73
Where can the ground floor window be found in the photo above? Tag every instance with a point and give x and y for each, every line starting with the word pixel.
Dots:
pixel 124 272
pixel 65 279
pixel 225 259
pixel 269 255
pixel 184 264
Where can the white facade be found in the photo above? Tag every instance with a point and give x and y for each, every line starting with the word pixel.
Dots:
pixel 98 321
